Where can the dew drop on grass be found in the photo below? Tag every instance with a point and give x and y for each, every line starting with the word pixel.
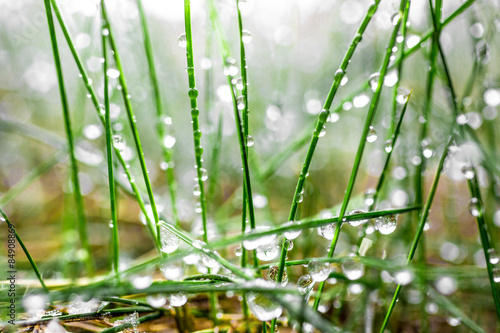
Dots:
pixel 333 117
pixel 169 241
pixel 267 252
pixel 246 37
pixel 373 81
pixel 250 141
pixel 240 102
pixel 238 251
pixel 118 142
pixel 291 234
pixel 253 243
pixel 388 146
pixel 492 97
pixel 353 269
pixel 327 231
pixel 182 41
pixel 369 196
pixel 177 299
pixel 272 275
pixel 198 208
pixel 305 284
pixel 157 300
pixel 141 281
pixel 322 133
pixel 92 132
pixel 493 256
pixel 446 285
pixel 372 135
pixel 172 271
pixel 210 262
pixel 403 277
pixel 475 207
pixel 402 95
pixel 113 73
pixel 468 172
pixel 462 119
pixel 496 275
pixel 196 190
pixel 169 141
pixel 288 245
pixel 263 308
pixel 361 101
pixel 356 223
pixel 230 68
pixel 239 83
pixel 193 93
pixel 344 81
pixel 454 321
pixel 318 270
pixel 204 175
pixel 386 224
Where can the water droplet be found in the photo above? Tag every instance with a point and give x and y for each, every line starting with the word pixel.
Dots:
pixel 373 80
pixel 203 174
pixel 230 68
pixel 372 135
pixel 291 234
pixel 105 32
pixel 267 252
pixel 493 256
pixel 475 207
pixel 322 132
pixel 403 277
pixel 402 95
pixel 454 321
pixel 198 208
pixel 333 117
pixel 386 224
pixel 239 83
pixel 388 146
pixel 263 308
pixel 446 285
pixel 169 141
pixel 177 299
pixel 462 119
pixel 182 41
pixel 169 241
pixel 468 171
pixel 172 271
pixel 240 102
pixel 196 190
pixel 492 97
pixel 210 262
pixel 357 223
pixel 361 101
pixel 327 231
pixel 272 275
pixel 156 301
pixel 246 37
pixel 305 284
pixel 113 73
pixel 92 131
pixel 369 196
pixel 250 141
pixel 353 269
pixel 253 243
pixel 318 270
pixel 141 281
pixel 496 275
pixel 193 93
pixel 118 142
pixel 238 251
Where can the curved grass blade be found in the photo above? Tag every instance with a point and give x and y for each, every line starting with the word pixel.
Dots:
pixel 82 223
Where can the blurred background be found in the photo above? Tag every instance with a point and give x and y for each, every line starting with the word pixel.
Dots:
pixel 295 48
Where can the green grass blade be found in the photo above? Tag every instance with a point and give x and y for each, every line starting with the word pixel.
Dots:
pixel 167 152
pixel 82 223
pixel 26 252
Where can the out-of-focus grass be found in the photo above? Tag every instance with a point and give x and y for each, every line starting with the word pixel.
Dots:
pixel 293 50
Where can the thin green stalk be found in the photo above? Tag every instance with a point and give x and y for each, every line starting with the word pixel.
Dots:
pixel 322 119
pixel 141 320
pixel 26 252
pixel 109 152
pixel 420 228
pixel 100 114
pixel 167 151
pixel 472 183
pixel 132 121
pixel 80 210
pixel 198 150
pixel 362 143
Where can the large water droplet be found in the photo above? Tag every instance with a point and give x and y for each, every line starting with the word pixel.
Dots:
pixel 118 142
pixel 369 196
pixel 386 224
pixel 357 223
pixel 156 301
pixel 113 73
pixel 372 135
pixel 292 234
pixel 388 146
pixel 177 299
pixel 267 252
pixel 272 275
pixel 169 141
pixel 230 68
pixel 182 41
pixel 252 244
pixel 373 81
pixel 353 269
pixel 446 285
pixel 169 241
pixel 250 141
pixel 246 37
pixel 263 308
pixel 402 95
pixel 318 270
pixel 327 231
pixel 305 284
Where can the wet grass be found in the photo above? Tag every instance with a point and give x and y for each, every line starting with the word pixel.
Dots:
pixel 372 265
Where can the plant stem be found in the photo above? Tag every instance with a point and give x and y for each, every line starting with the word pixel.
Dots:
pixel 167 152
pixel 109 152
pixel 82 223
pixel 26 252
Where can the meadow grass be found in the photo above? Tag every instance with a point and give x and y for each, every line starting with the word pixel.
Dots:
pixel 366 280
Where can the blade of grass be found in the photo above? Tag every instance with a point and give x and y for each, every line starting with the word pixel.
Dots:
pixel 132 122
pixel 109 153
pixel 141 320
pixel 100 113
pixel 167 152
pixel 82 223
pixel 26 252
